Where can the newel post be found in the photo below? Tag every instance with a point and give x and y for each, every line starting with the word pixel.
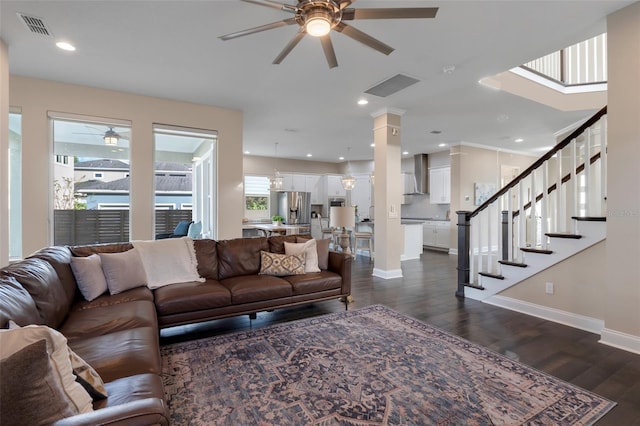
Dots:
pixel 464 232
pixel 506 235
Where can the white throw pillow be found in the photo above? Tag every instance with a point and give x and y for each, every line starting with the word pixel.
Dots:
pixel 16 338
pixel 309 249
pixel 123 271
pixel 89 276
pixel 169 261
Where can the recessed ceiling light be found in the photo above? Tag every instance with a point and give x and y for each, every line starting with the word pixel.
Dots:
pixel 66 46
pixel 519 140
pixel 372 144
pixel 441 145
pixel 405 152
pixel 340 158
pixel 247 152
pixel 309 155
pixel 362 101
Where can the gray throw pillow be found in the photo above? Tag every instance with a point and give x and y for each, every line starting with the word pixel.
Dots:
pixel 29 392
pixel 123 271
pixel 89 276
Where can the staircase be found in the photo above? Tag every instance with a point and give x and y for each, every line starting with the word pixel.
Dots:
pixel 551 211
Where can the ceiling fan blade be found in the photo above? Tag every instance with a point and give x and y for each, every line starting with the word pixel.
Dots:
pixel 274 4
pixel 289 47
pixel 345 3
pixel 363 38
pixel 389 13
pixel 329 53
pixel 254 30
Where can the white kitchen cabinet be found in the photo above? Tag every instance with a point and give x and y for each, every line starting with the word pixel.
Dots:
pixel 314 185
pixel 440 185
pixel 334 186
pixel 436 233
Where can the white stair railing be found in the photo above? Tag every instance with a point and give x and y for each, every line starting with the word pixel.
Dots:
pixel 568 181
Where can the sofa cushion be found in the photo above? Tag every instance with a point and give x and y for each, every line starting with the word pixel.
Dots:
pixel 311 283
pixel 207 257
pixel 132 388
pixel 89 276
pixel 29 391
pixel 168 261
pixel 191 296
pixel 16 304
pixel 138 293
pixel 94 322
pixel 121 353
pixel 60 258
pixel 240 256
pixel 254 288
pixel 100 248
pixel 39 278
pixel 123 271
pixel 281 264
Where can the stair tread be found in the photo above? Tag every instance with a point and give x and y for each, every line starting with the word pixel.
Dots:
pixel 490 275
pixel 509 263
pixel 563 235
pixel 590 218
pixel 477 287
pixel 535 250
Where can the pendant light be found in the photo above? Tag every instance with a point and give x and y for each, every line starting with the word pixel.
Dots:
pixel 348 181
pixel 275 181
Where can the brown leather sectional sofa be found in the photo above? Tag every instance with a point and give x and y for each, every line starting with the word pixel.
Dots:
pixel 118 335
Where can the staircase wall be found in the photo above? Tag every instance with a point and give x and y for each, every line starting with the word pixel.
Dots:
pixel 580 285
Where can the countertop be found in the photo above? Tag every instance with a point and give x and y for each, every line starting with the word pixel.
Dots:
pixel 422 219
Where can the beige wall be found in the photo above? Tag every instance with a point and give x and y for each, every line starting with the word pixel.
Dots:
pixel 578 284
pixel 471 164
pixel 4 149
pixel 623 177
pixel 37 97
pixel 255 165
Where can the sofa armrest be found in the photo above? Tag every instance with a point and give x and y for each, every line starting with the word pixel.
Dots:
pixel 149 411
pixel 340 263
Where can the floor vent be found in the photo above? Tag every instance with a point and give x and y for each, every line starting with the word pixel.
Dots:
pixel 392 85
pixel 35 25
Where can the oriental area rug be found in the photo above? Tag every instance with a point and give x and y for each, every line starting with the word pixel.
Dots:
pixel 371 366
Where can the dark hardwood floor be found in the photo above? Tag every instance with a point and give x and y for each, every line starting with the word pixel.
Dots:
pixel 426 292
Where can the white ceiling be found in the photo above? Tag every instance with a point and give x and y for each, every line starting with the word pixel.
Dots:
pixel 171 49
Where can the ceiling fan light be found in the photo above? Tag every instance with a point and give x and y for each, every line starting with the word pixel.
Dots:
pixel 111 140
pixel 318 24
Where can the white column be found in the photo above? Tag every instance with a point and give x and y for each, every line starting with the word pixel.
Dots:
pixel 622 315
pixel 4 157
pixel 388 235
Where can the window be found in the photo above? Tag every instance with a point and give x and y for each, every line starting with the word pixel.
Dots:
pixel 256 197
pixel 15 185
pixel 90 180
pixel 184 177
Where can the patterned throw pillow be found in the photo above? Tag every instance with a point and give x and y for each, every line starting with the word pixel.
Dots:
pixel 281 264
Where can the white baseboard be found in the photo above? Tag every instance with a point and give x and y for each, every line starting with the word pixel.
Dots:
pixel 453 251
pixel 620 340
pixel 581 322
pixel 387 275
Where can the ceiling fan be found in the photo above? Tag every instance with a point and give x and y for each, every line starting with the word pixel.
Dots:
pixel 318 17
pixel 110 137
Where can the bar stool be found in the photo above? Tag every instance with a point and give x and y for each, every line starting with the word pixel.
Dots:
pixel 363 236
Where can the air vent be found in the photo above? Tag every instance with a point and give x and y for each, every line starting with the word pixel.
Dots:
pixel 35 25
pixel 392 85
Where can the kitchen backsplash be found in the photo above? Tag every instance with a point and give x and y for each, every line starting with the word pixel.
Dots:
pixel 420 207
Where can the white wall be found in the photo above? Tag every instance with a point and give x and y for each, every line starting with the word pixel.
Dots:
pixel 4 149
pixel 37 97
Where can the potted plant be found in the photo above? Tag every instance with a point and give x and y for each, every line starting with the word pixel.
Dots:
pixel 277 220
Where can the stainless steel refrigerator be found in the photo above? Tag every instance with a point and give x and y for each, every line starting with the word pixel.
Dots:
pixel 294 206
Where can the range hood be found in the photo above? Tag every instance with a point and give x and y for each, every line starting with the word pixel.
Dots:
pixel 418 182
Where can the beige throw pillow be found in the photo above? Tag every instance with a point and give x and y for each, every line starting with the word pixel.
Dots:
pixel 281 265
pixel 323 251
pixel 310 251
pixel 123 271
pixel 89 276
